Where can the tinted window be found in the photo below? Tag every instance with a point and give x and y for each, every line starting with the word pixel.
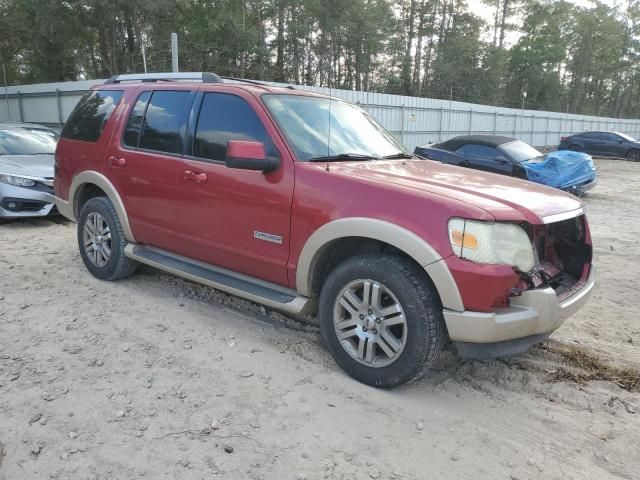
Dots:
pixel 88 119
pixel 462 150
pixel 481 151
pixel 225 117
pixel 134 124
pixel 161 125
pixel 591 136
pixel 610 137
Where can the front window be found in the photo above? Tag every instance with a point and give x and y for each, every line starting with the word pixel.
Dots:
pixel 26 142
pixel 317 127
pixel 520 151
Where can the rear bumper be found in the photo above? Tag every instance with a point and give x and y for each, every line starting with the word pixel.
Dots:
pixel 65 208
pixel 535 314
pixel 22 202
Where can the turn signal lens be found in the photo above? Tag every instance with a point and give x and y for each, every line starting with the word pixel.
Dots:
pixel 492 243
pixel 465 240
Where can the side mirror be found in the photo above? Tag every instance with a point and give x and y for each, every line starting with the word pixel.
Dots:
pixel 249 155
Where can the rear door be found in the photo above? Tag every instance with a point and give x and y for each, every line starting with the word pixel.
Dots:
pixel 235 219
pixel 591 142
pixel 143 162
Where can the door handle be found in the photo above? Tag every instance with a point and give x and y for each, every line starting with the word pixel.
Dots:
pixel 117 162
pixel 198 177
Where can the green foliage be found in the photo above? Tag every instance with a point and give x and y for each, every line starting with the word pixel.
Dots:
pixel 565 57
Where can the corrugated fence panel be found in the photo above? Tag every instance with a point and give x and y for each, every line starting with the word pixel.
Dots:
pixel 413 120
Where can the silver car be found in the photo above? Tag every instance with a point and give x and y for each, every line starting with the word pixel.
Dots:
pixel 26 170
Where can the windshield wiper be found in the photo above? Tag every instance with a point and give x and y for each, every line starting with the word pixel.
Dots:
pixel 341 157
pixel 398 156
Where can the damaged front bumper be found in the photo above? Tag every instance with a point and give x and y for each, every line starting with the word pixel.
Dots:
pixel 530 318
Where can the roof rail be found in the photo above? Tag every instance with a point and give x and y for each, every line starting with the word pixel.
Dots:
pixel 244 80
pixel 204 77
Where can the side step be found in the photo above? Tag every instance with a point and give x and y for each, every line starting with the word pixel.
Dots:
pixel 259 291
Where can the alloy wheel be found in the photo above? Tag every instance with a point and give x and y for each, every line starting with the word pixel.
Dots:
pixel 370 323
pixel 96 238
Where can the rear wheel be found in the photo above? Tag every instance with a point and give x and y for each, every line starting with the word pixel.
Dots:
pixel 575 148
pixel 633 155
pixel 102 241
pixel 381 319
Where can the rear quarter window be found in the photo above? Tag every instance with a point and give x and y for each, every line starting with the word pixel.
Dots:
pixel 88 119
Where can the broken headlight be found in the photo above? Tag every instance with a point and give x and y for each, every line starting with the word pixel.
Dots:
pixel 494 243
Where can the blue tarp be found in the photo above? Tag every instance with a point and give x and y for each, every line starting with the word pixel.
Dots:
pixel 562 169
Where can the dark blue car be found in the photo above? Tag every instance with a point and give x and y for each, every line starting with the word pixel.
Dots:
pixel 570 171
pixel 608 144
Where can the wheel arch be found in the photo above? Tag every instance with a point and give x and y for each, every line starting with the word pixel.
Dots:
pixel 93 179
pixel 388 233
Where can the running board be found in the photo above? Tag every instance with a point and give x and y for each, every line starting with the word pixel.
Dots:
pixel 259 291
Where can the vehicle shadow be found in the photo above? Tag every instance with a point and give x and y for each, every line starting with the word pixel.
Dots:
pixel 34 221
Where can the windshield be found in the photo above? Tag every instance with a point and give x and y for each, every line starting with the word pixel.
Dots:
pixel 304 120
pixel 21 141
pixel 626 137
pixel 520 151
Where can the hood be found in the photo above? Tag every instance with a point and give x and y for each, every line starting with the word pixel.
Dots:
pixel 503 197
pixel 27 165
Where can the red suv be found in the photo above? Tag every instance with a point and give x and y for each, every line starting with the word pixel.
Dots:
pixel 306 205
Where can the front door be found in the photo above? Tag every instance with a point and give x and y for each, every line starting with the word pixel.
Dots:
pixel 235 219
pixel 487 158
pixel 143 165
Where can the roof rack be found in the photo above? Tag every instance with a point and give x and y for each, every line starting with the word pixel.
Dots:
pixel 204 77
pixel 244 80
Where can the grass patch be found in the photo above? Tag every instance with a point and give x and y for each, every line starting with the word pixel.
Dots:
pixel 586 367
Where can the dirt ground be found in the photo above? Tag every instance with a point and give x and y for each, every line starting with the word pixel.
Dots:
pixel 155 377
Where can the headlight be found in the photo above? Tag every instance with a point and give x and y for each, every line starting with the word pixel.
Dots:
pixel 495 243
pixel 17 181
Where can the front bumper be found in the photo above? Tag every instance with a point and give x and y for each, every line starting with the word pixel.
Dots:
pixel 583 188
pixel 533 315
pixel 29 202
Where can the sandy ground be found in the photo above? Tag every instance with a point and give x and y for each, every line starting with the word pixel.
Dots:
pixel 154 377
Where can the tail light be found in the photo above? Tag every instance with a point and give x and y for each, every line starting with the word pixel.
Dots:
pixel 562 139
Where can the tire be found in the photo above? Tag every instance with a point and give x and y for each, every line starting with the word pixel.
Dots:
pixel 421 337
pixel 633 155
pixel 100 210
pixel 575 148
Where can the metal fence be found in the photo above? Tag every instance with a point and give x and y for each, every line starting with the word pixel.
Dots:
pixel 413 120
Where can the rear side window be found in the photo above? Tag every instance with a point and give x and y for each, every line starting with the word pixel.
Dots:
pixel 162 121
pixel 88 119
pixel 134 124
pixel 225 117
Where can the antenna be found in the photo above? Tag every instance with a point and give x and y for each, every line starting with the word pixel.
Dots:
pixel 330 93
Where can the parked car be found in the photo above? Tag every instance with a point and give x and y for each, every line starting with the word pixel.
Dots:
pixel 574 172
pixel 306 205
pixel 606 144
pixel 26 170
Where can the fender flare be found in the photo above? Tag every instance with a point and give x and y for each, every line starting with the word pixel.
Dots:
pixel 401 238
pixel 102 182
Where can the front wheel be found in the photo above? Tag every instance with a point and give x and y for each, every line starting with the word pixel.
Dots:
pixel 633 155
pixel 102 241
pixel 381 319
